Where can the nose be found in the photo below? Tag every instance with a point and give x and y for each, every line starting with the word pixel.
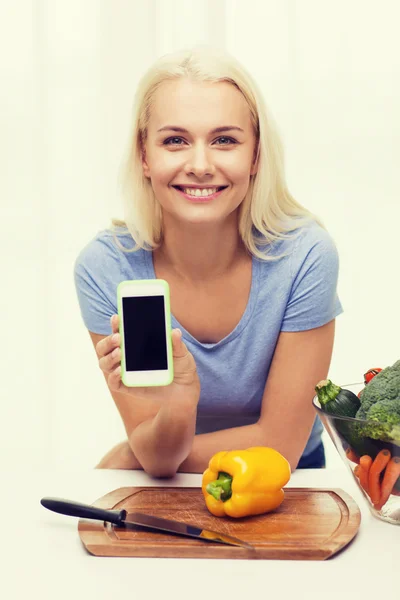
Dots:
pixel 199 163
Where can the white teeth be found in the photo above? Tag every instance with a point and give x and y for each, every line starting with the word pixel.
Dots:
pixel 200 192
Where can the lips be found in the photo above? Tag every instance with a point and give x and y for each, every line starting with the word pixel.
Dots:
pixel 196 198
pixel 205 187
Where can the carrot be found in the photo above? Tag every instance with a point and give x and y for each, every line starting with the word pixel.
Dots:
pixel 392 473
pixel 351 455
pixel 365 465
pixel 374 484
pixel 356 471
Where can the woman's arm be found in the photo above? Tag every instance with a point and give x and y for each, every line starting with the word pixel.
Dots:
pixel 159 421
pixel 301 359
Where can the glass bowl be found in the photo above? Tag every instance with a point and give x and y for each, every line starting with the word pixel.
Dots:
pixel 360 454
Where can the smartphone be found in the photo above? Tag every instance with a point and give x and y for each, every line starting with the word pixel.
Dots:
pixel 145 329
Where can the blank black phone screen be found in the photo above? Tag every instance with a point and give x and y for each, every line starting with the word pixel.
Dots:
pixel 144 333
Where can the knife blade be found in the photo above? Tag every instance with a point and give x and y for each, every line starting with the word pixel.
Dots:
pixel 122 519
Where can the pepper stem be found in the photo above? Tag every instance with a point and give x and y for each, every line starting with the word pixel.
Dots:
pixel 221 488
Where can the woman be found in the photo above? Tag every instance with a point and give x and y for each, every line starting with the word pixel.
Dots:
pixel 252 276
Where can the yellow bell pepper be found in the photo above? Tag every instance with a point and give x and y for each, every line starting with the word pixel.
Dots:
pixel 240 483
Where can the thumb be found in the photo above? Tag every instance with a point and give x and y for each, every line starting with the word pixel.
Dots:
pixel 179 349
pixel 185 371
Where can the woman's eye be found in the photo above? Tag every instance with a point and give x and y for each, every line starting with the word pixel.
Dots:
pixel 178 141
pixel 175 141
pixel 225 141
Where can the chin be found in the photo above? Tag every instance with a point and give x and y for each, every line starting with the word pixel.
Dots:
pixel 203 215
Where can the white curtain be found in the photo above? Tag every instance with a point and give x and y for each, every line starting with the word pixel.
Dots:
pixel 330 71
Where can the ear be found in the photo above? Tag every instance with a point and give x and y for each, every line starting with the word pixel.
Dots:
pixel 254 164
pixel 254 167
pixel 145 165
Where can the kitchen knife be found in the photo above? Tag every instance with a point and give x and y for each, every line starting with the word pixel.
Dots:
pixel 128 520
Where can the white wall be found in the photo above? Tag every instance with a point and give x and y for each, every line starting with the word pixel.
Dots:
pixel 330 72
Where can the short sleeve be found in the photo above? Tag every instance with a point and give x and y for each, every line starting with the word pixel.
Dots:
pixel 313 299
pixel 94 288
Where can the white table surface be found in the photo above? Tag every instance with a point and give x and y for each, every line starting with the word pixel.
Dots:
pixel 43 557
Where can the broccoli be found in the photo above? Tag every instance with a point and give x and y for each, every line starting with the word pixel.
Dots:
pixel 380 405
pixel 386 414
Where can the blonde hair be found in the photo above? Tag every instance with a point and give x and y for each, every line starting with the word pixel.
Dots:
pixel 267 213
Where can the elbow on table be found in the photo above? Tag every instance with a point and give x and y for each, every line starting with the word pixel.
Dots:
pixel 161 471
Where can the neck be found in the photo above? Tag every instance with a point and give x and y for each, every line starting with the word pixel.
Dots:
pixel 198 252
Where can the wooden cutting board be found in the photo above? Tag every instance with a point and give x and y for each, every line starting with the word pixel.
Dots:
pixel 310 524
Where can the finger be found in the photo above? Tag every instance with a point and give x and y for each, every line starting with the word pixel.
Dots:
pixel 110 361
pixel 108 344
pixel 184 363
pixel 116 384
pixel 115 323
pixel 114 380
pixel 179 349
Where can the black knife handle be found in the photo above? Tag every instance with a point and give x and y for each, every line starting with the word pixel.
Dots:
pixel 84 511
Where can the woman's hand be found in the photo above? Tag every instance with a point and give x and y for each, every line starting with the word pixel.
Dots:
pixel 185 386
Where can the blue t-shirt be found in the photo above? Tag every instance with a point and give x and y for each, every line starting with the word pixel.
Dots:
pixel 294 293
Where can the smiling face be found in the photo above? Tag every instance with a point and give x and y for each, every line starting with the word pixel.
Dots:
pixel 199 150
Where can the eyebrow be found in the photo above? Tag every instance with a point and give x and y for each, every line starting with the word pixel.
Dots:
pixel 216 130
